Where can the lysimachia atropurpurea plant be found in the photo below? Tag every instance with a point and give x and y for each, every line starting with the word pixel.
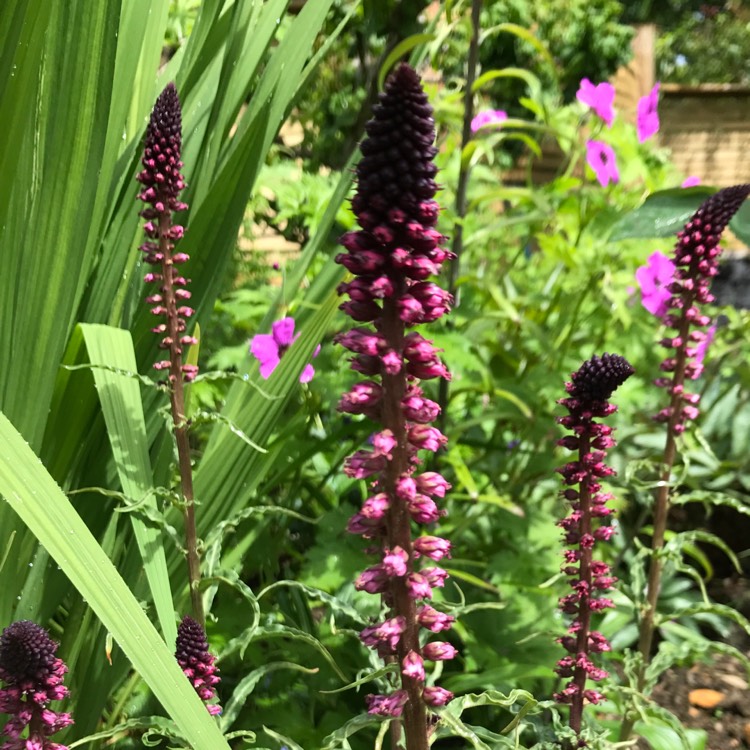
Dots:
pixel 680 304
pixel 231 479
pixel 90 109
pixel 588 523
pixel 163 183
pixel 33 678
pixel 393 254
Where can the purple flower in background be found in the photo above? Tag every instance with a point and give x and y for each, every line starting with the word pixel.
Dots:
pixel 703 344
pixel 392 256
pixel 647 115
pixel 268 349
pixel 600 98
pixel 654 279
pixel 696 263
pixel 191 652
pixel 488 117
pixel 587 524
pixel 601 158
pixel 691 181
pixel 33 677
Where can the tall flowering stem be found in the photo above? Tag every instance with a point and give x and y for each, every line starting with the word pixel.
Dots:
pixel 589 391
pixel 33 678
pixel 191 652
pixel 391 257
pixel 695 259
pixel 162 184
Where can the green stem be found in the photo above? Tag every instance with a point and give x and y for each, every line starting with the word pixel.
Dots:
pixel 463 181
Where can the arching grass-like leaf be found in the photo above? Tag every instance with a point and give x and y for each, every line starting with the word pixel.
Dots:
pixel 32 493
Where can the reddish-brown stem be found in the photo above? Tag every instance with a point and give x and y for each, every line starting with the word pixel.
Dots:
pixel 584 574
pixel 661 513
pixel 180 424
pixel 414 718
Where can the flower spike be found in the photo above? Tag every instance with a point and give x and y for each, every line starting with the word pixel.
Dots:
pixel 197 663
pixel 392 256
pixel 588 393
pixel 33 677
pixel 162 184
pixel 695 259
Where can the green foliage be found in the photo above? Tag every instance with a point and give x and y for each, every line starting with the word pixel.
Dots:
pixel 585 39
pixel 347 84
pixel 707 46
pixel 545 280
pixel 698 42
pixel 71 153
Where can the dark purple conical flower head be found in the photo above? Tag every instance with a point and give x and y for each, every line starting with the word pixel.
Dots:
pixel 33 677
pixel 695 258
pixel 587 524
pixel 599 377
pixel 197 663
pixel 392 256
pixel 162 183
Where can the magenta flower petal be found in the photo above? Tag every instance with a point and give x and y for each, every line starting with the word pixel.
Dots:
pixel 283 331
pixel 309 372
pixel 488 117
pixel 600 98
pixel 268 348
pixel 653 279
pixel 265 349
pixel 647 115
pixel 601 158
pixel 691 181
pixel 702 346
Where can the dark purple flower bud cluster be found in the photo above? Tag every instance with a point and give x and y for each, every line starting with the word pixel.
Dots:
pixel 162 183
pixel 588 523
pixel 198 665
pixel 33 677
pixel 696 263
pixel 391 257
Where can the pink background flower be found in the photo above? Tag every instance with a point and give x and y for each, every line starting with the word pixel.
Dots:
pixel 653 279
pixel 702 346
pixel 647 115
pixel 488 117
pixel 268 348
pixel 691 181
pixel 601 158
pixel 600 98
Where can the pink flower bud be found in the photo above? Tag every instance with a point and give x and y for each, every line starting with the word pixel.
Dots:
pixel 439 651
pixel 413 666
pixel 435 696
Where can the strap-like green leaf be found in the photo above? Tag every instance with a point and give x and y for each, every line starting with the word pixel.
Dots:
pixel 35 497
pixel 123 413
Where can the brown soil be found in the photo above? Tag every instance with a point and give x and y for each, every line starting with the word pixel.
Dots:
pixel 713 697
